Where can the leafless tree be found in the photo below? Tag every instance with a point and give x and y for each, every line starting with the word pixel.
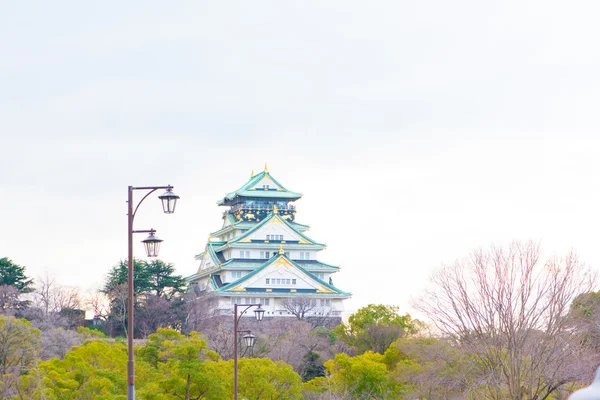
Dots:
pixel 57 342
pixel 219 334
pixel 154 313
pixel 510 311
pixel 438 369
pixel 99 303
pixel 299 306
pixel 285 339
pixel 54 298
pixel 198 312
pixel 9 300
pixel 118 309
pixel 54 305
pixel 288 340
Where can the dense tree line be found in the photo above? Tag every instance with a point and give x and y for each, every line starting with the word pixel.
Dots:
pixel 159 296
pixel 505 325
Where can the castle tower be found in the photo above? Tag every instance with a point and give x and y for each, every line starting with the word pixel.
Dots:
pixel 262 255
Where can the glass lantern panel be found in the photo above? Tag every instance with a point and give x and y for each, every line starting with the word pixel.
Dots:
pixel 169 204
pixel 249 339
pixel 152 248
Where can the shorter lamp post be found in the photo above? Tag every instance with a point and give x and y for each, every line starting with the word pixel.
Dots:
pixel 249 339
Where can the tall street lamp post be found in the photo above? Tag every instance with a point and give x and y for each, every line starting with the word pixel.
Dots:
pixel 259 313
pixel 152 244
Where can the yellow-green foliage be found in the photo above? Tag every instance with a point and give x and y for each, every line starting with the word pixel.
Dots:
pixel 168 366
pixel 20 346
pixel 93 370
pixel 262 378
pixel 365 376
pixel 88 333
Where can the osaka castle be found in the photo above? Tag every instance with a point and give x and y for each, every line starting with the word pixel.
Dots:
pixel 261 255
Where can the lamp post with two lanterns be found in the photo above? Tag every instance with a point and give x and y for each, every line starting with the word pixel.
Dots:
pixel 152 245
pixel 249 339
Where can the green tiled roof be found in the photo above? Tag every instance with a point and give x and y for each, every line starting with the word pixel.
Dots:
pixel 309 265
pixel 264 221
pixel 250 225
pixel 248 190
pixel 336 291
pixel 211 247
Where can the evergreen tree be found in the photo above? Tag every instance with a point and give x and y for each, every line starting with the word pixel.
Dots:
pixel 312 366
pixel 154 277
pixel 12 274
pixel 162 279
pixel 117 277
pixel 156 301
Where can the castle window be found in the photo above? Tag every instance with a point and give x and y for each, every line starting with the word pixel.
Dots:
pixel 265 254
pixel 244 254
pixel 267 281
pixel 236 274
pixel 293 281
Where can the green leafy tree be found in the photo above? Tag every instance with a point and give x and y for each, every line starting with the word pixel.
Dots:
pixel 12 274
pixel 361 377
pixel 261 378
pixel 312 366
pixel 162 280
pixel 20 346
pixel 375 328
pixel 185 370
pixel 157 295
pixel 117 277
pixel 13 283
pixel 94 370
pixel 154 277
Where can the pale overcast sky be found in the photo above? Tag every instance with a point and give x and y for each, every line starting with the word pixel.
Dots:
pixel 417 130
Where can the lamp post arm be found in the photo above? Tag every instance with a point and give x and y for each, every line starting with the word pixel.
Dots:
pixel 151 189
pixel 244 311
pixel 144 231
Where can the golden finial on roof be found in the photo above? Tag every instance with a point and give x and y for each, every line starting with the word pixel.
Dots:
pixel 281 249
pixel 252 174
pixel 209 237
pixel 266 168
